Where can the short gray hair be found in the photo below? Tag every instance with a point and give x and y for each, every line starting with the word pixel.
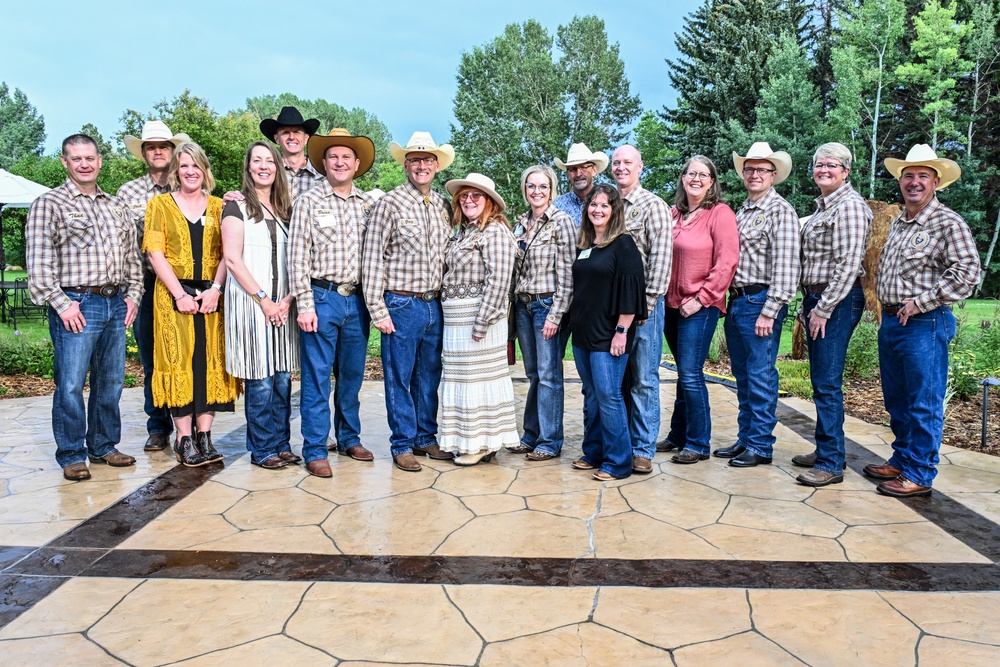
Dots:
pixel 836 151
pixel 539 169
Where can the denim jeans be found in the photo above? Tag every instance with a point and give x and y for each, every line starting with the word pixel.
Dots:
pixel 689 339
pixel 543 407
pixel 606 442
pixel 157 419
pixel 752 358
pixel 914 364
pixel 341 338
pixel 99 348
pixel 644 364
pixel 268 405
pixel 826 370
pixel 411 364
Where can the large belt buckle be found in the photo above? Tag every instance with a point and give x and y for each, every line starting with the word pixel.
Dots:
pixel 428 296
pixel 108 291
pixel 345 289
pixel 524 298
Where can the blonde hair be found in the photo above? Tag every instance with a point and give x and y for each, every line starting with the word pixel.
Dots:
pixel 539 169
pixel 200 159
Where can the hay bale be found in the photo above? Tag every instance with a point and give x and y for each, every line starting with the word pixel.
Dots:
pixel 884 214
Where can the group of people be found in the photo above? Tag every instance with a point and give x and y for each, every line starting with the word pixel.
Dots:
pixel 290 272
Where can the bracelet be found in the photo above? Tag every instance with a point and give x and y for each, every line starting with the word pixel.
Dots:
pixel 178 298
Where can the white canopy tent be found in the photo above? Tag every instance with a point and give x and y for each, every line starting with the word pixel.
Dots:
pixel 15 192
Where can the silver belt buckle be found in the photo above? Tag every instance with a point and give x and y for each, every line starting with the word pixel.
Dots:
pixel 428 296
pixel 345 289
pixel 108 291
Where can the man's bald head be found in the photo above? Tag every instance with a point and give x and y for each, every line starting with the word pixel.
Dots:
pixel 626 166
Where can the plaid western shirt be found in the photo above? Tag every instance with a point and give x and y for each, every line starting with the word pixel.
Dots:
pixel 302 180
pixel 769 249
pixel 931 260
pixel 833 244
pixel 483 257
pixel 649 223
pixel 325 238
pixel 545 257
pixel 136 195
pixel 404 246
pixel 74 240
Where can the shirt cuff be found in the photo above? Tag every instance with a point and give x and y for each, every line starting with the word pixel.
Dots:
pixel 925 303
pixel 379 314
pixel 771 309
pixel 61 302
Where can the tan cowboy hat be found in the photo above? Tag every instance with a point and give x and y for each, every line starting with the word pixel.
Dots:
pixel 362 146
pixel 479 182
pixel 580 154
pixel 781 160
pixel 153 130
pixel 923 155
pixel 421 142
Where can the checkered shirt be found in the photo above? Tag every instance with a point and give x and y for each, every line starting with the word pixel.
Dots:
pixel 325 238
pixel 833 244
pixel 769 249
pixel 303 180
pixel 404 246
pixel 545 258
pixel 931 260
pixel 649 223
pixel 485 257
pixel 136 195
pixel 74 240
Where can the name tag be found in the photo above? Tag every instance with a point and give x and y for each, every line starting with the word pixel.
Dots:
pixel 137 207
pixel 76 216
pixel 325 219
pixel 585 254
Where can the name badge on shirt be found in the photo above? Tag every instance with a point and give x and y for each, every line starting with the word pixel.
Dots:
pixel 324 218
pixel 585 254
pixel 76 216
pixel 137 207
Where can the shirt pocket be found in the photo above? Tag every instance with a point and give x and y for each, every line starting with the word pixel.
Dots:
pixel 754 240
pixel 80 233
pixel 325 228
pixel 915 258
pixel 410 237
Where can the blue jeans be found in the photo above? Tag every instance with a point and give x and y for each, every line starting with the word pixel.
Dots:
pixel 543 408
pixel 826 370
pixel 341 339
pixel 913 361
pixel 157 419
pixel 644 363
pixel 752 358
pixel 689 339
pixel 411 364
pixel 268 405
pixel 606 442
pixel 99 348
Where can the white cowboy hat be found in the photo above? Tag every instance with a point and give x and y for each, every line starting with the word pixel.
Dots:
pixel 421 142
pixel 923 155
pixel 153 130
pixel 580 154
pixel 781 160
pixel 363 147
pixel 479 182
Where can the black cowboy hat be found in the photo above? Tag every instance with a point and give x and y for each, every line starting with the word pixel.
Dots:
pixel 289 117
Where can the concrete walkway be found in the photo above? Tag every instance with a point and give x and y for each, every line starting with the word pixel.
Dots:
pixel 507 563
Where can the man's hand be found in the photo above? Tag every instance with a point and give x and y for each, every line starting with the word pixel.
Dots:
pixel 549 330
pixel 72 319
pixel 764 326
pixel 817 325
pixel 131 310
pixel 308 322
pixel 385 326
pixel 908 310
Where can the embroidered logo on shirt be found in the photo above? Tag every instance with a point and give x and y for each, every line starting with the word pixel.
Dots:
pixel 634 213
pixel 758 222
pixel 118 211
pixel 366 209
pixel 445 217
pixel 920 239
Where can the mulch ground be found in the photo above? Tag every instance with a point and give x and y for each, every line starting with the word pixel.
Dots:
pixel 862 399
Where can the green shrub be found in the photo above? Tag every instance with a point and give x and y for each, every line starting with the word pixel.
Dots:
pixel 18 357
pixel 963 376
pixel 131 347
pixel 793 377
pixel 862 352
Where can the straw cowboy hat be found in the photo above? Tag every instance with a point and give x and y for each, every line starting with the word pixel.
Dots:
pixel 153 130
pixel 421 142
pixel 479 182
pixel 781 160
pixel 580 154
pixel 362 146
pixel 923 155
pixel 288 117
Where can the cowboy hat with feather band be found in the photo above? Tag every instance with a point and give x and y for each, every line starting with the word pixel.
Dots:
pixel 363 147
pixel 923 155
pixel 287 117
pixel 422 142
pixel 781 160
pixel 153 130
pixel 580 154
pixel 479 182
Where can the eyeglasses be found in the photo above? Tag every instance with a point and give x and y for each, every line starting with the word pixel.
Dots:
pixel 698 176
pixel 421 160
pixel 762 171
pixel 825 165
pixel 543 187
pixel 474 197
pixel 580 167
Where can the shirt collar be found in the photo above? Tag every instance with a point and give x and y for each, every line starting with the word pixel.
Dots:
pixel 823 203
pixel 921 218
pixel 327 190
pixel 308 168
pixel 761 203
pixel 633 196
pixel 151 185
pixel 75 191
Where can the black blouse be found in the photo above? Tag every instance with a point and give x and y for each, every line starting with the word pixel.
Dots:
pixel 607 283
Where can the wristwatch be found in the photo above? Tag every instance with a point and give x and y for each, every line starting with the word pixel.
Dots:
pixel 218 287
pixel 260 296
pixel 620 329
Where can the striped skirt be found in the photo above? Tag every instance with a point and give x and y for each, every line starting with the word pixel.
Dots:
pixel 477 397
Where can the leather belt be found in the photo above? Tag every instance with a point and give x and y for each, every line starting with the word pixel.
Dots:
pixel 343 289
pixel 749 290
pixel 426 296
pixel 107 291
pixel 819 287
pixel 527 297
pixel 891 310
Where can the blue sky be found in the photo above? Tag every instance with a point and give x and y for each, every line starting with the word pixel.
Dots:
pixel 88 62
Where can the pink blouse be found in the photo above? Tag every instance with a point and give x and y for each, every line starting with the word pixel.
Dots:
pixel 706 252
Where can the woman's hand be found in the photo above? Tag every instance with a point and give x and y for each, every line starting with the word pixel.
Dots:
pixel 209 300
pixel 187 305
pixel 690 307
pixel 618 344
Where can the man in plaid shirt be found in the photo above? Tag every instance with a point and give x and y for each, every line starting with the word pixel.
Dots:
pixel 83 262
pixel 291 132
pixel 929 262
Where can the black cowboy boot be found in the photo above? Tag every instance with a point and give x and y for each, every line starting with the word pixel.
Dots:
pixel 188 454
pixel 204 441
